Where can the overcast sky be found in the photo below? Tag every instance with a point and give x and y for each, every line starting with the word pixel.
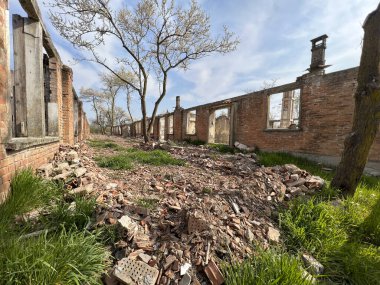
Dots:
pixel 275 44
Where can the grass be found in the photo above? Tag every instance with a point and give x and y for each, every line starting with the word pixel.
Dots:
pixel 194 142
pixel 60 258
pixel 266 268
pixel 64 256
pixel 342 233
pixel 128 158
pixel 67 215
pixel 108 144
pixel 222 148
pixel 147 203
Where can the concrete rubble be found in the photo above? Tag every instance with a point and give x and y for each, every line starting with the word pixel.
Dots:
pixel 209 211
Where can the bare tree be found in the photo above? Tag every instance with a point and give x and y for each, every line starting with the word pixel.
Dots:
pixel 367 110
pixel 96 99
pixel 112 85
pixel 155 37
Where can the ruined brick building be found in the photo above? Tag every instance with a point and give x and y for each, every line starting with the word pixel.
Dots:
pixel 39 108
pixel 309 117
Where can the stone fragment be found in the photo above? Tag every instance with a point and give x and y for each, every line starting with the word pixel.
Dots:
pixel 169 260
pixel 62 176
pixel 186 280
pixel 45 170
pixel 213 273
pixel 144 257
pixel 80 171
pixel 243 147
pixel 273 235
pixel 313 265
pixel 111 186
pixel 72 155
pixel 249 235
pixel 63 166
pixel 292 169
pixel 297 183
pixel 185 268
pixel 315 182
pixel 86 189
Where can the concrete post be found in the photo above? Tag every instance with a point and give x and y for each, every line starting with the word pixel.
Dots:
pixel 28 64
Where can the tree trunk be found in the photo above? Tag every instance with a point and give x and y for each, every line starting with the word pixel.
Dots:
pixel 367 110
pixel 143 121
pixel 157 103
pixel 112 114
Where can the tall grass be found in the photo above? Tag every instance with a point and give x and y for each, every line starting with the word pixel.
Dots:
pixel 268 267
pixel 61 257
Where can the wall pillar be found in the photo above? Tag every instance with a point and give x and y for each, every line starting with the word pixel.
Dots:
pixel 29 77
pixel 67 105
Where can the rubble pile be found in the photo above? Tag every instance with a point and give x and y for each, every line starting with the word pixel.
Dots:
pixel 175 224
pixel 72 169
pixel 183 221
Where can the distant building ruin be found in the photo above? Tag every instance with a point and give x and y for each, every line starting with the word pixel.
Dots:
pixel 309 117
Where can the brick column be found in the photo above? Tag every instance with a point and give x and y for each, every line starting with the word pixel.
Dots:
pixel 67 105
pixel 177 124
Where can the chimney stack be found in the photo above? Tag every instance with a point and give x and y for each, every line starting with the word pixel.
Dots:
pixel 177 102
pixel 318 62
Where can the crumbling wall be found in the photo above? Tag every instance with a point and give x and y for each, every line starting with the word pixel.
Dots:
pixel 42 131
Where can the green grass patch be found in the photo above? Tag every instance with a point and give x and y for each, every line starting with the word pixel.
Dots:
pixel 127 159
pixel 147 203
pixel 222 148
pixel 342 233
pixel 266 268
pixel 108 144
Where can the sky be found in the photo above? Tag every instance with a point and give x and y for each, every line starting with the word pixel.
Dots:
pixel 274 45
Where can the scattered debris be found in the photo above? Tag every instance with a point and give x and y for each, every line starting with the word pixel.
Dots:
pixel 175 224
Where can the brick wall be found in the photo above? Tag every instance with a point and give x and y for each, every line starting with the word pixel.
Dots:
pixel 326 113
pixel 29 152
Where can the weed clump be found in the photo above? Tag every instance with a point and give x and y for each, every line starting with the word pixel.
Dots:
pixel 267 267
